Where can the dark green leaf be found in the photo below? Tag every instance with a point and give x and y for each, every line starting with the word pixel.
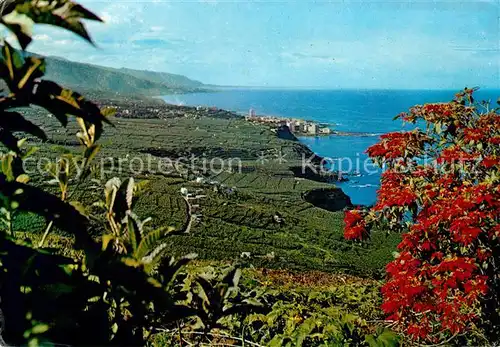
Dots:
pixel 62 13
pixel 62 102
pixel 148 243
pixel 121 205
pixel 19 74
pixel 91 152
pixel 169 268
pixel 7 167
pixel 14 121
pixel 9 140
pixel 20 25
pixel 35 200
pixel 134 228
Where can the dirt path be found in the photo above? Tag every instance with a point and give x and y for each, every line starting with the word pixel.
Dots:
pixel 190 216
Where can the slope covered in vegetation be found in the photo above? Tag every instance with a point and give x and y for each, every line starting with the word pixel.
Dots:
pixel 110 81
pixel 125 81
pixel 240 204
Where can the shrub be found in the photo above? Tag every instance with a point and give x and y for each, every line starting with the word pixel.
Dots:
pixel 441 187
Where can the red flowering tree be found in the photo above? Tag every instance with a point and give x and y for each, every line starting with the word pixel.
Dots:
pixel 440 187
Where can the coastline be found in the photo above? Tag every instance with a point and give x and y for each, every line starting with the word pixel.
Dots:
pixel 283 131
pixel 275 121
pixel 356 190
pixel 343 133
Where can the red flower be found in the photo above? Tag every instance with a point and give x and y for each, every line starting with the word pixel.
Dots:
pixel 476 134
pixel 437 111
pixel 355 226
pixel 490 161
pixel 455 154
pixel 465 230
pixel 437 255
pixel 495 140
pixel 399 145
pixel 483 254
pixel 394 196
pixel 437 284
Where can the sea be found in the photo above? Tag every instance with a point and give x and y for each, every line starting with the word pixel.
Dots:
pixel 364 114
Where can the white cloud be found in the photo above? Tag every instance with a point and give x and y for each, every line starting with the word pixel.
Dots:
pixel 41 37
pixel 409 52
pixel 210 2
pixel 157 28
pixel 64 42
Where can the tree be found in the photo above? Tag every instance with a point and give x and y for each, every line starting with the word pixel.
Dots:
pixel 441 188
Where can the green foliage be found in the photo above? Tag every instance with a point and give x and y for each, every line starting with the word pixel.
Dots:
pixel 309 238
pixel 92 78
pixel 126 233
pixel 278 316
pixel 309 317
pixel 50 295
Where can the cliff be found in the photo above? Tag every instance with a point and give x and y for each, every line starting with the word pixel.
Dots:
pixel 331 199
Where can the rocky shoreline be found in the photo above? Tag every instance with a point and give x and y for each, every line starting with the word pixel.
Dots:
pixel 316 172
pixel 331 199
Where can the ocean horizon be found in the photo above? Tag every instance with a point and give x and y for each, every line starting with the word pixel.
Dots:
pixel 369 111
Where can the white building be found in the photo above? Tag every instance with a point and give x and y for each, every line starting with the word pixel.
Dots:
pixel 312 128
pixel 325 130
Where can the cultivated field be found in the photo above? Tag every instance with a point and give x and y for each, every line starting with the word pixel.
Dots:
pixel 257 213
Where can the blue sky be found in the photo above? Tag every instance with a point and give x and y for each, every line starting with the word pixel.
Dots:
pixel 336 44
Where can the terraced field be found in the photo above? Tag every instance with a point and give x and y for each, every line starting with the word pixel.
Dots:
pixel 243 223
pixel 226 137
pixel 256 212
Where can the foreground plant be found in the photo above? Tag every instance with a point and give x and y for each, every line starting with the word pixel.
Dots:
pixel 121 286
pixel 441 188
pixel 265 314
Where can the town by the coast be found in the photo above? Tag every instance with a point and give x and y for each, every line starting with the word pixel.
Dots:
pixel 298 127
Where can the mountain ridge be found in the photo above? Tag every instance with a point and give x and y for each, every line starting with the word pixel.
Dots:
pixel 84 76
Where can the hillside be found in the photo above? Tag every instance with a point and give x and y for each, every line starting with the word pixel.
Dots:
pixel 124 81
pixel 110 81
pixel 169 79
pixel 251 201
